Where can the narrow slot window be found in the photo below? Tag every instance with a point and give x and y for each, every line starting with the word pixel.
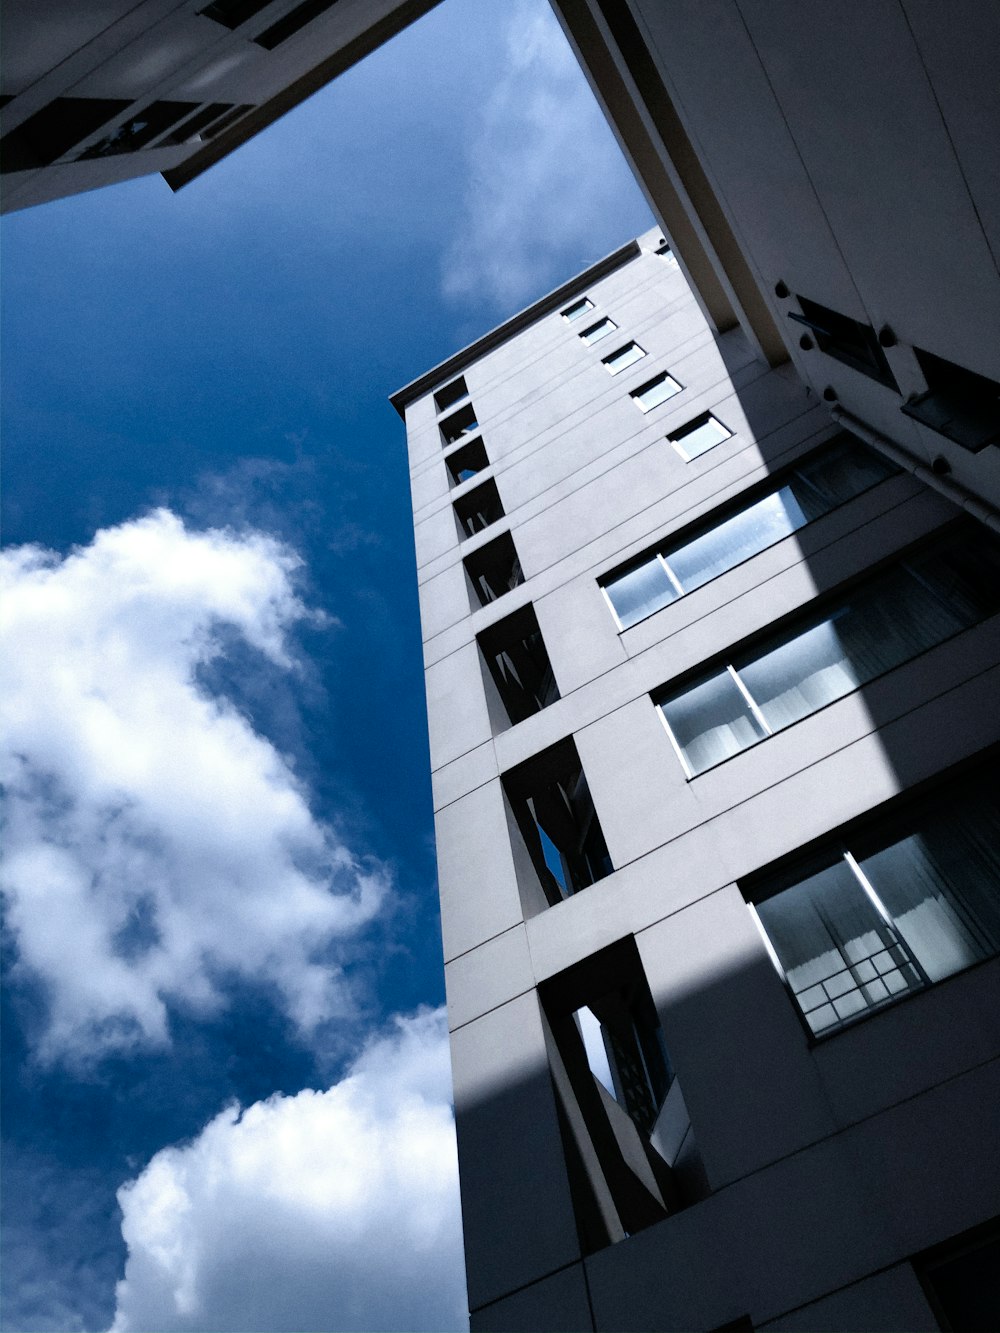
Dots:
pixel 959 404
pixel 698 436
pixel 655 392
pixel 478 509
pixel 232 13
pixel 51 132
pixel 625 356
pixel 217 126
pixel 602 329
pixel 577 309
pixel 140 130
pixel 847 340
pixel 292 22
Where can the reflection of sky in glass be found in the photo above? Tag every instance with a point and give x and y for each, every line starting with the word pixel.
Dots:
pixel 640 592
pixel 593 1042
pixel 801 675
pixel 552 859
pixel 743 535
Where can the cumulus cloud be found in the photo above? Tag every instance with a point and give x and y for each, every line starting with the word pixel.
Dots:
pixel 326 1210
pixel 543 171
pixel 157 844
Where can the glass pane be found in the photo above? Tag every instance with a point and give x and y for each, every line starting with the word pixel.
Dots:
pixel 593 1043
pixel 738 538
pixel 598 331
pixel 711 721
pixel 626 357
pixel 940 884
pixel 839 957
pixel 651 395
pixel 578 308
pixel 801 675
pixel 840 472
pixel 701 438
pixel 964 573
pixel 640 592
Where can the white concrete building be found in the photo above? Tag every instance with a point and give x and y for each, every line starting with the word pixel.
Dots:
pixel 712 704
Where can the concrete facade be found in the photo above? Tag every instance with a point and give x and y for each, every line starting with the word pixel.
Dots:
pixel 786 1181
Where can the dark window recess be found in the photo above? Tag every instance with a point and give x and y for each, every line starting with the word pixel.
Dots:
pixel 460 423
pixel 5 98
pixel 192 128
pixel 613 1080
pixel 466 462
pixel 494 569
pixel 451 393
pixel 54 130
pixel 478 508
pixel 291 23
pixel 514 652
pixel 959 404
pixel 556 816
pixel 231 13
pixel 219 125
pixel 959 1279
pixel 846 340
pixel 140 130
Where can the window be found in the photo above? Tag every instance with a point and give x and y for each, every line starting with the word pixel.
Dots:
pixel 556 816
pixel 217 126
pixel 819 484
pixel 478 508
pixel 514 652
pixel 665 252
pixel 890 911
pixel 467 461
pixel 292 22
pixel 960 405
pixel 193 127
pixel 231 13
pixel 494 569
pixel 698 436
pixel 655 392
pixel 53 131
pixel 460 423
pixel 846 340
pixel 893 616
pixel 959 1279
pixel 140 130
pixel 577 309
pixel 451 394
pixel 624 357
pixel 602 329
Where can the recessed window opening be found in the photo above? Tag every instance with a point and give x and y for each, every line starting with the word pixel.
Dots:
pixel 55 129
pixel 217 126
pixel 577 309
pixel 891 910
pixel 893 616
pixel 959 404
pixel 556 814
pixel 959 1278
pixel 655 391
pixel 514 652
pixel 625 356
pixel 494 569
pixel 292 22
pixel 602 329
pixel 451 394
pixel 459 424
pixel 699 435
pixel 478 508
pixel 193 127
pixel 231 13
pixel 466 462
pixel 140 130
pixel 846 340
pixel 839 472
pixel 665 252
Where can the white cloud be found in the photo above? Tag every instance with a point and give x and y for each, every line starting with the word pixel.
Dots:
pixel 326 1210
pixel 545 176
pixel 156 844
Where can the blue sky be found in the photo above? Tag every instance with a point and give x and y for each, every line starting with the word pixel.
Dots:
pixel 224 1061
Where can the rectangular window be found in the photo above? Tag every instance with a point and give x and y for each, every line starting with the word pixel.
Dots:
pixel 293 22
pixel 451 394
pixel 846 340
pixel 698 436
pixel 231 13
pixel 625 356
pixel 602 329
pixel 655 392
pixel 54 130
pixel 959 1278
pixel 459 424
pixel 140 130
pixel 467 461
pixel 478 508
pixel 665 252
pixel 897 909
pixel 224 122
pixel 892 617
pixel 514 652
pixel 494 569
pixel 577 309
pixel 822 482
pixel 959 404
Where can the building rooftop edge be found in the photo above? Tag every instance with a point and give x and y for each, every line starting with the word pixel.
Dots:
pixel 409 393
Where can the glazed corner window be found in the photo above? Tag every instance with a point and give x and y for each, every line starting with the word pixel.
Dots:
pixel 451 394
pixel 494 569
pixel 846 340
pixel 514 652
pixel 478 508
pixel 602 329
pixel 558 822
pixel 698 436
pixel 655 392
pixel 959 404
pixel 459 424
pixel 577 309
pixel 466 462
pixel 625 356
pixel 890 913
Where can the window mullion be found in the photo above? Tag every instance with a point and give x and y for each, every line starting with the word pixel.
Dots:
pixel 750 700
pixel 675 582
